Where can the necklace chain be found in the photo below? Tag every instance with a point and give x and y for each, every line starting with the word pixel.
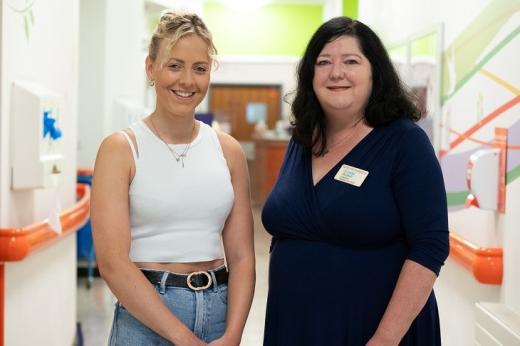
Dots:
pixel 178 157
pixel 345 139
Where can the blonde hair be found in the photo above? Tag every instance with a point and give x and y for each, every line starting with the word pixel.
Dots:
pixel 173 26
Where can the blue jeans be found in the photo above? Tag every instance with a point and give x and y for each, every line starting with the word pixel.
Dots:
pixel 203 312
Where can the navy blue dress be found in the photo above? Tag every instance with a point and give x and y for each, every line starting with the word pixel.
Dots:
pixel 338 249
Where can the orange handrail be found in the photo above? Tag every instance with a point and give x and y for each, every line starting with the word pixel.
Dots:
pixel 18 243
pixel 486 264
pixel 2 291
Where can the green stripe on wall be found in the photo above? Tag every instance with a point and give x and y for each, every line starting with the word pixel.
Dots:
pixel 462 58
pixel 350 8
pixel 513 174
pixel 280 30
pixel 456 198
pixel 476 68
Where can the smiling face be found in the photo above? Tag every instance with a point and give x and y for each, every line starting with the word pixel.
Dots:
pixel 342 78
pixel 181 75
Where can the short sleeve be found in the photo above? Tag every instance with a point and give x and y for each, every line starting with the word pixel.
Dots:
pixel 420 196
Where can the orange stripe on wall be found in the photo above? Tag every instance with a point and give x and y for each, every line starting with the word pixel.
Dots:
pixel 484 121
pixel 489 144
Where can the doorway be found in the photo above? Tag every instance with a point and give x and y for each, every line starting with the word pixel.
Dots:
pixel 243 105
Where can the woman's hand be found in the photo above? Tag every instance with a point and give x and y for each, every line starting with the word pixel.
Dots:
pixel 188 339
pixel 223 341
pixel 196 342
pixel 218 342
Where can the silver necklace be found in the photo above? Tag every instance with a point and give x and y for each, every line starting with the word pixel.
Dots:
pixel 178 157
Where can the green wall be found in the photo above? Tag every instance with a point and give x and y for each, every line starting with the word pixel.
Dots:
pixel 281 30
pixel 424 46
pixel 350 8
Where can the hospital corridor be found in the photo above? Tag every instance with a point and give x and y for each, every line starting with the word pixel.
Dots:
pixel 376 143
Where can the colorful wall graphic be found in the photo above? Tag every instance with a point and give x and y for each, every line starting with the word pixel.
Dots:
pixel 480 91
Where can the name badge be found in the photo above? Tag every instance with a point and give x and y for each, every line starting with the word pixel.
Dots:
pixel 351 175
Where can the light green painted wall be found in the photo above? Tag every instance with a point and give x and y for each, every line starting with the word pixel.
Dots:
pixel 350 8
pixel 424 46
pixel 399 53
pixel 281 30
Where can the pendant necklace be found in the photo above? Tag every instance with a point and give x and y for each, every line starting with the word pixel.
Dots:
pixel 178 157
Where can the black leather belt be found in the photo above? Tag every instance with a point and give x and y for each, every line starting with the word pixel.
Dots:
pixel 196 281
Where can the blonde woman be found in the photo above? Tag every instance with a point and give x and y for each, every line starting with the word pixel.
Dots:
pixel 170 200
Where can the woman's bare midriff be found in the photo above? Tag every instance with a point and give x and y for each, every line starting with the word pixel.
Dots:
pixel 181 268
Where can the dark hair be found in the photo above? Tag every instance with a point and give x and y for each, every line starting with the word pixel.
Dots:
pixel 389 99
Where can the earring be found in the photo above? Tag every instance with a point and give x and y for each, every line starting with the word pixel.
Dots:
pixel 151 82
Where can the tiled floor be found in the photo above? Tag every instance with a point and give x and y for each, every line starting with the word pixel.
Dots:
pixel 95 305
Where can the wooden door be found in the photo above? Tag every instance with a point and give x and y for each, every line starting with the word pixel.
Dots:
pixel 229 103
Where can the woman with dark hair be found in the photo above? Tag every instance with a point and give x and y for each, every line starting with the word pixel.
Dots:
pixel 358 214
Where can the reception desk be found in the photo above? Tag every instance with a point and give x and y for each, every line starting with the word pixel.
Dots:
pixel 269 154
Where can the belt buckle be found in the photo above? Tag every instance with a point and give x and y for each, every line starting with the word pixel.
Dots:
pixel 190 285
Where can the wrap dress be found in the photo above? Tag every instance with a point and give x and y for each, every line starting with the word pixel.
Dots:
pixel 338 249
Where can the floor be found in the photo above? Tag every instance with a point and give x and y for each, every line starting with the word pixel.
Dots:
pixel 95 305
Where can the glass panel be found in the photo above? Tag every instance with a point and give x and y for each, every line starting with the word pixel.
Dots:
pixel 256 112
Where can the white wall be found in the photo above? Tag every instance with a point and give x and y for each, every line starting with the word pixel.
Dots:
pixel 397 19
pixel 112 53
pixel 91 84
pixel 195 6
pixel 40 297
pixel 511 244
pixel 48 55
pixel 457 290
pixel 36 59
pixel 126 47
pixel 332 8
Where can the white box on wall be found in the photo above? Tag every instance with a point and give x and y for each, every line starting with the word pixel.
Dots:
pixel 36 144
pixel 482 178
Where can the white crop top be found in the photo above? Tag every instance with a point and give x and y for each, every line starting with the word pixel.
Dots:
pixel 177 214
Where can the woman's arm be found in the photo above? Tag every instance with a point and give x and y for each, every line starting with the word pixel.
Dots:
pixel 238 244
pixel 420 196
pixel 411 292
pixel 111 233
